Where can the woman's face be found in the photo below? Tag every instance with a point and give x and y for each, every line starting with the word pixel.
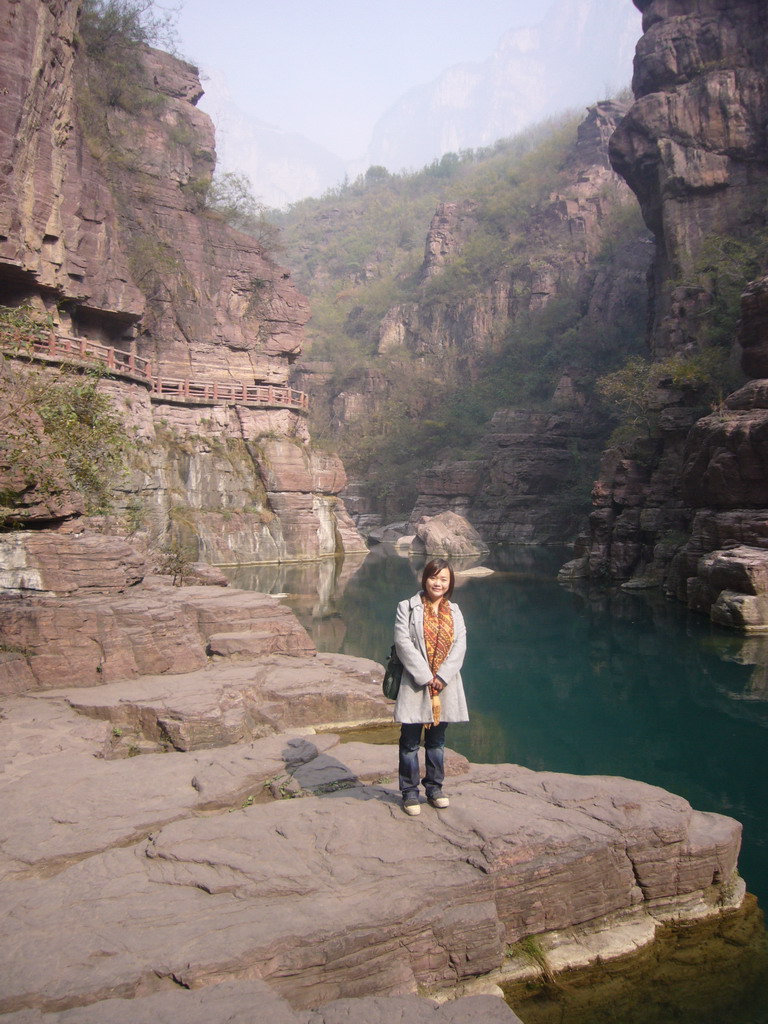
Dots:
pixel 437 586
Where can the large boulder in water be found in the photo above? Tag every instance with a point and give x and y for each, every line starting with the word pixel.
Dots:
pixel 449 535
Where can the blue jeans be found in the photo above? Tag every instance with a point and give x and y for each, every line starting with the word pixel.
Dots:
pixel 434 756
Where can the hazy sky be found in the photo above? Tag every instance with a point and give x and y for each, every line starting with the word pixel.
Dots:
pixel 328 69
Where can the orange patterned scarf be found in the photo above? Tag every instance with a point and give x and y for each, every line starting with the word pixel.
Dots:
pixel 438 637
pixel 438 633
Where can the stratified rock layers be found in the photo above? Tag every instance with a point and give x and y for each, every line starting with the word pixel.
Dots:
pixel 117 882
pixel 694 149
pixel 91 212
pixel 693 146
pixel 105 226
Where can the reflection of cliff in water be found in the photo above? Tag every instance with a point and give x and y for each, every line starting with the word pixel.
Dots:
pixel 310 589
pixel 704 972
pixel 740 692
pixel 750 701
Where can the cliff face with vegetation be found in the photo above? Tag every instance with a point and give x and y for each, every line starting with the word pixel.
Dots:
pixel 110 233
pixel 694 148
pixel 567 303
pixel 460 372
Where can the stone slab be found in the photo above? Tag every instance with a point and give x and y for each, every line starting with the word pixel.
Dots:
pixel 151 629
pixel 62 801
pixel 253 1002
pixel 230 703
pixel 342 895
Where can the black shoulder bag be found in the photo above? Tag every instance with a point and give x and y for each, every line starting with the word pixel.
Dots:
pixel 390 686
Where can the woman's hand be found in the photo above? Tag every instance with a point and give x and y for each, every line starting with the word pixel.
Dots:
pixel 436 686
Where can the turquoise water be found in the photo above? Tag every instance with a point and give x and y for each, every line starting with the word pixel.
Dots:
pixel 600 682
pixel 590 681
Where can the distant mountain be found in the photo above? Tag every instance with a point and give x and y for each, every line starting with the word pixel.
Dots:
pixel 283 166
pixel 581 52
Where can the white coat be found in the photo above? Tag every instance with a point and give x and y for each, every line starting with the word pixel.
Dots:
pixel 413 702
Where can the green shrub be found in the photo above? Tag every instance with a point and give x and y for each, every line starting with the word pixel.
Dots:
pixel 113 34
pixel 21 326
pixel 151 258
pixel 85 433
pixel 58 429
pixel 704 378
pixel 230 197
pixel 176 562
pixel 725 265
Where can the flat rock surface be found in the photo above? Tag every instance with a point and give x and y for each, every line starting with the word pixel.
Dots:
pixel 125 877
pixel 253 1002
pixel 151 629
pixel 63 801
pixel 170 844
pixel 229 702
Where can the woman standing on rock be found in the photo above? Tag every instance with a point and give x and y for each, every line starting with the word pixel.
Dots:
pixel 431 641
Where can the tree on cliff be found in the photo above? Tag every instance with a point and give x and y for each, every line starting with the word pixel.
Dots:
pixel 636 390
pixel 112 33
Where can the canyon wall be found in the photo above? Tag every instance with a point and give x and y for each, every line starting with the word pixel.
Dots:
pixel 694 149
pixel 528 479
pixel 108 228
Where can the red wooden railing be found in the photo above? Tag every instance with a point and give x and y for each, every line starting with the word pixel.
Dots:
pixel 166 389
pixel 228 393
pixel 63 346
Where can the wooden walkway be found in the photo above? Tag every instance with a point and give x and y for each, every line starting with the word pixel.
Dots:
pixel 63 348
pixel 227 393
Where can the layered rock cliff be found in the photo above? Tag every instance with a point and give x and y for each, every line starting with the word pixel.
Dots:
pixel 693 146
pixel 528 481
pixel 694 149
pixel 106 226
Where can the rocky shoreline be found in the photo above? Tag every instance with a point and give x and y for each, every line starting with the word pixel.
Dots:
pixel 188 837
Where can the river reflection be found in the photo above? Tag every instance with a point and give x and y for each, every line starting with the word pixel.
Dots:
pixel 312 590
pixel 580 679
pixel 702 973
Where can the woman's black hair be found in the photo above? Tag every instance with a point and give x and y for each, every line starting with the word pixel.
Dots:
pixel 432 569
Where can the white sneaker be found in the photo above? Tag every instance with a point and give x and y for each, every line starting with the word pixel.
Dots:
pixel 412 806
pixel 439 801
